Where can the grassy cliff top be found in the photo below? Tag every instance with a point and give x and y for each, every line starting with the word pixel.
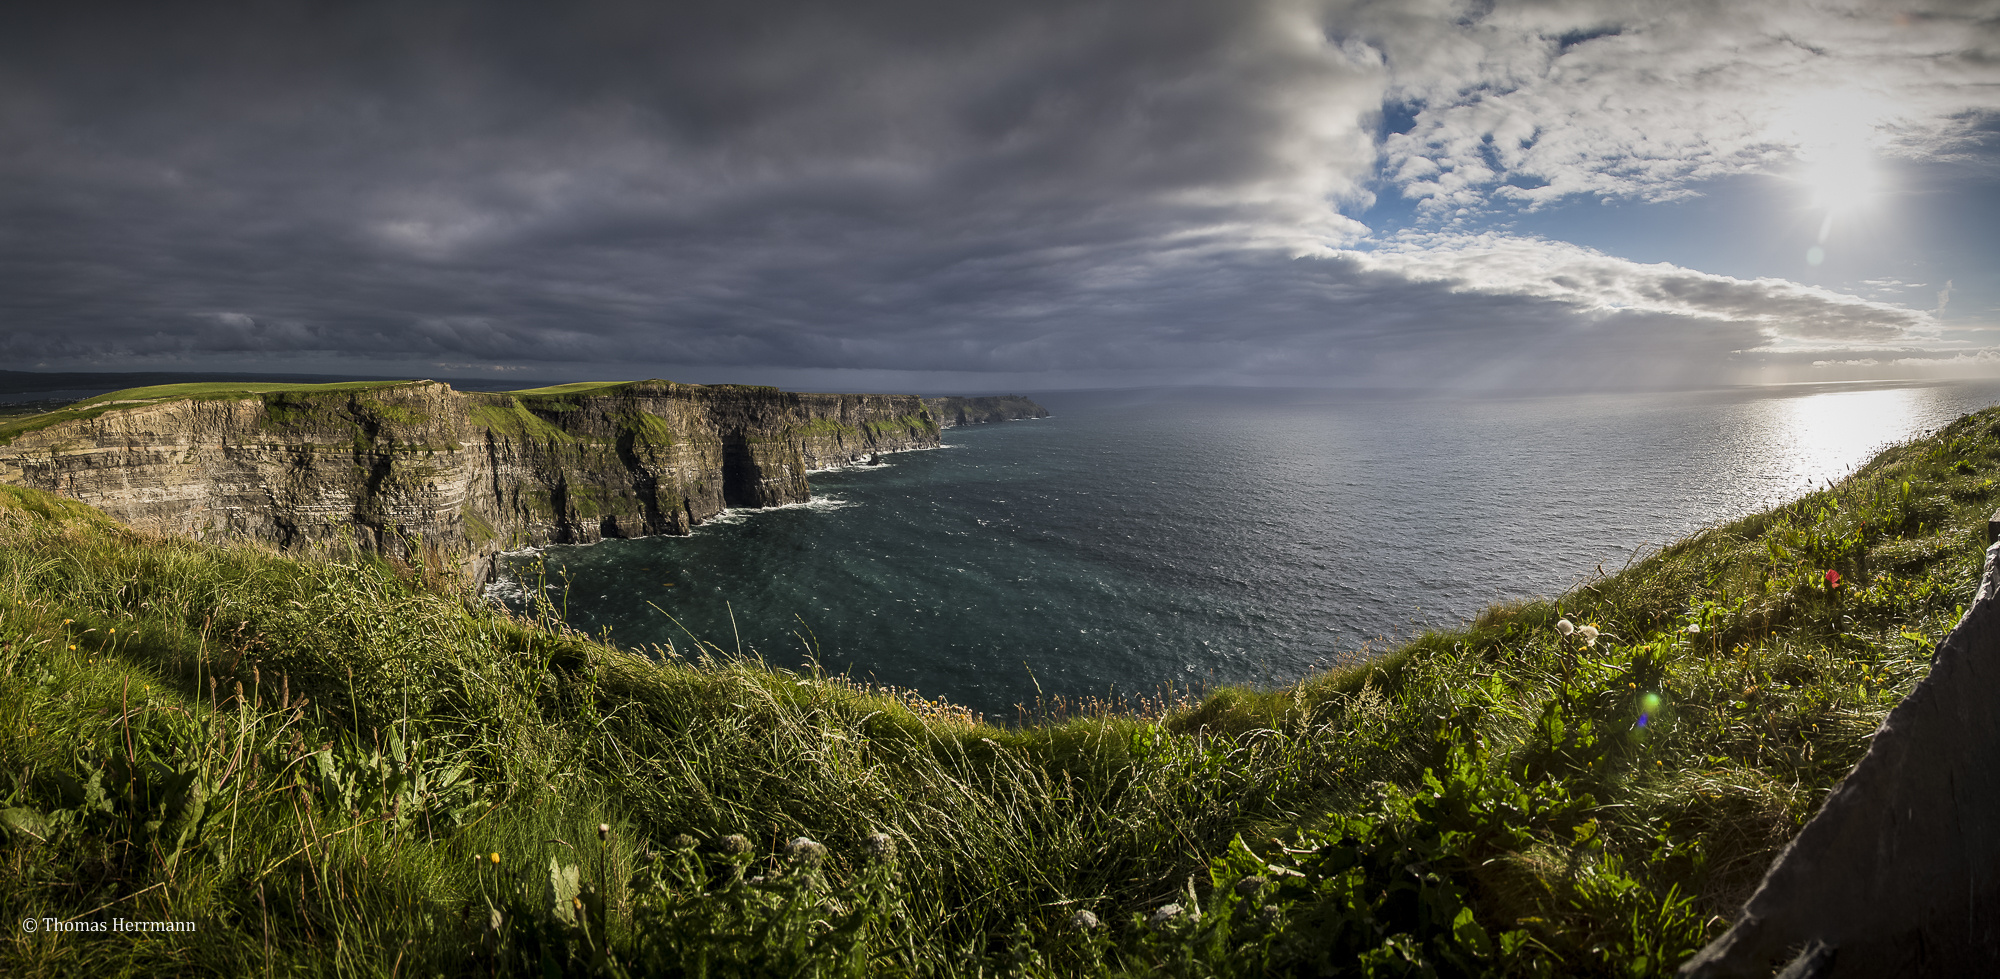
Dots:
pixel 357 768
pixel 584 387
pixel 13 427
pixel 231 389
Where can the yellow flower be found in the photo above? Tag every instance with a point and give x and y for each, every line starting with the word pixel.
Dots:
pixel 495 857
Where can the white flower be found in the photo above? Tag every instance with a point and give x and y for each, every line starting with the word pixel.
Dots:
pixel 1163 914
pixel 1082 921
pixel 1694 629
pixel 1589 634
pixel 1565 626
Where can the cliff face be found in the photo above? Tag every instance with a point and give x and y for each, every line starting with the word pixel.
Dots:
pixel 953 412
pixel 408 467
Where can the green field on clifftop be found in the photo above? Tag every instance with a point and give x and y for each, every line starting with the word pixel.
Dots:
pixel 13 427
pixel 363 769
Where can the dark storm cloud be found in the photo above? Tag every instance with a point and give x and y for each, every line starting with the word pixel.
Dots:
pixel 737 184
pixel 920 186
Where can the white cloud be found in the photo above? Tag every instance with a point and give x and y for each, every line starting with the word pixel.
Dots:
pixel 1535 102
pixel 1591 282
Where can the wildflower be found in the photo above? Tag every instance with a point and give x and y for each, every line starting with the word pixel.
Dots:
pixel 1832 578
pixel 806 851
pixel 1163 914
pixel 495 857
pixel 1589 634
pixel 1694 629
pixel 879 847
pixel 603 830
pixel 681 841
pixel 1250 885
pixel 1565 626
pixel 735 844
pixel 1269 913
pixel 114 630
pixel 1083 921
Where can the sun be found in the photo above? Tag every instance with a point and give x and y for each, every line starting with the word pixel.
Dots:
pixel 1832 131
pixel 1842 179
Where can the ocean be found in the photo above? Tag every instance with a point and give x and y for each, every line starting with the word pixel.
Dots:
pixel 1140 542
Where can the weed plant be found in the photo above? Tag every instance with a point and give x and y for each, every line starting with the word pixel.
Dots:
pixel 359 769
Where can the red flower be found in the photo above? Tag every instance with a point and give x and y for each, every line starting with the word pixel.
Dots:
pixel 1832 578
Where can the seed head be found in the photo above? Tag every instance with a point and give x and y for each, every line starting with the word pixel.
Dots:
pixel 1083 921
pixel 880 847
pixel 1565 626
pixel 806 851
pixel 1250 885
pixel 681 841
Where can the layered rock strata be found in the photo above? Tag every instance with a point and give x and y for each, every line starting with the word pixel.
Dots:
pixel 953 412
pixel 420 470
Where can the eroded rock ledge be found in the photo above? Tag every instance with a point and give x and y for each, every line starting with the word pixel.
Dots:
pixel 420 471
pixel 953 412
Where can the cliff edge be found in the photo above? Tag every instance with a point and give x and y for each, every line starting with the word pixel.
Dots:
pixel 418 471
pixel 953 412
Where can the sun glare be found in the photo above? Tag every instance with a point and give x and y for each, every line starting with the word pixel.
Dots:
pixel 1824 436
pixel 1842 179
pixel 1832 131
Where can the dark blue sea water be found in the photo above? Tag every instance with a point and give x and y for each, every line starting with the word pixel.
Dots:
pixel 1142 540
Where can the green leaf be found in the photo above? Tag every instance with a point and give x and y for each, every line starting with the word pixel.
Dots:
pixel 27 822
pixel 1471 934
pixel 563 888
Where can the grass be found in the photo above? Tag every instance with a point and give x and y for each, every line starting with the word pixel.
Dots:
pixel 583 387
pixel 349 769
pixel 230 389
pixel 15 426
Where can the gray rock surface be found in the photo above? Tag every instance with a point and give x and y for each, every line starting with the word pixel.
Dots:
pixel 953 412
pixel 419 471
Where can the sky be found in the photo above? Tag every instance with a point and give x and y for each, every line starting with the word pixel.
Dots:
pixel 928 195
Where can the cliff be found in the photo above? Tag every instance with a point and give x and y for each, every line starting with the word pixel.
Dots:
pixel 953 412
pixel 417 470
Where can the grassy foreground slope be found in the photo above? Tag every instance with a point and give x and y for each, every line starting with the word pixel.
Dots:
pixel 348 769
